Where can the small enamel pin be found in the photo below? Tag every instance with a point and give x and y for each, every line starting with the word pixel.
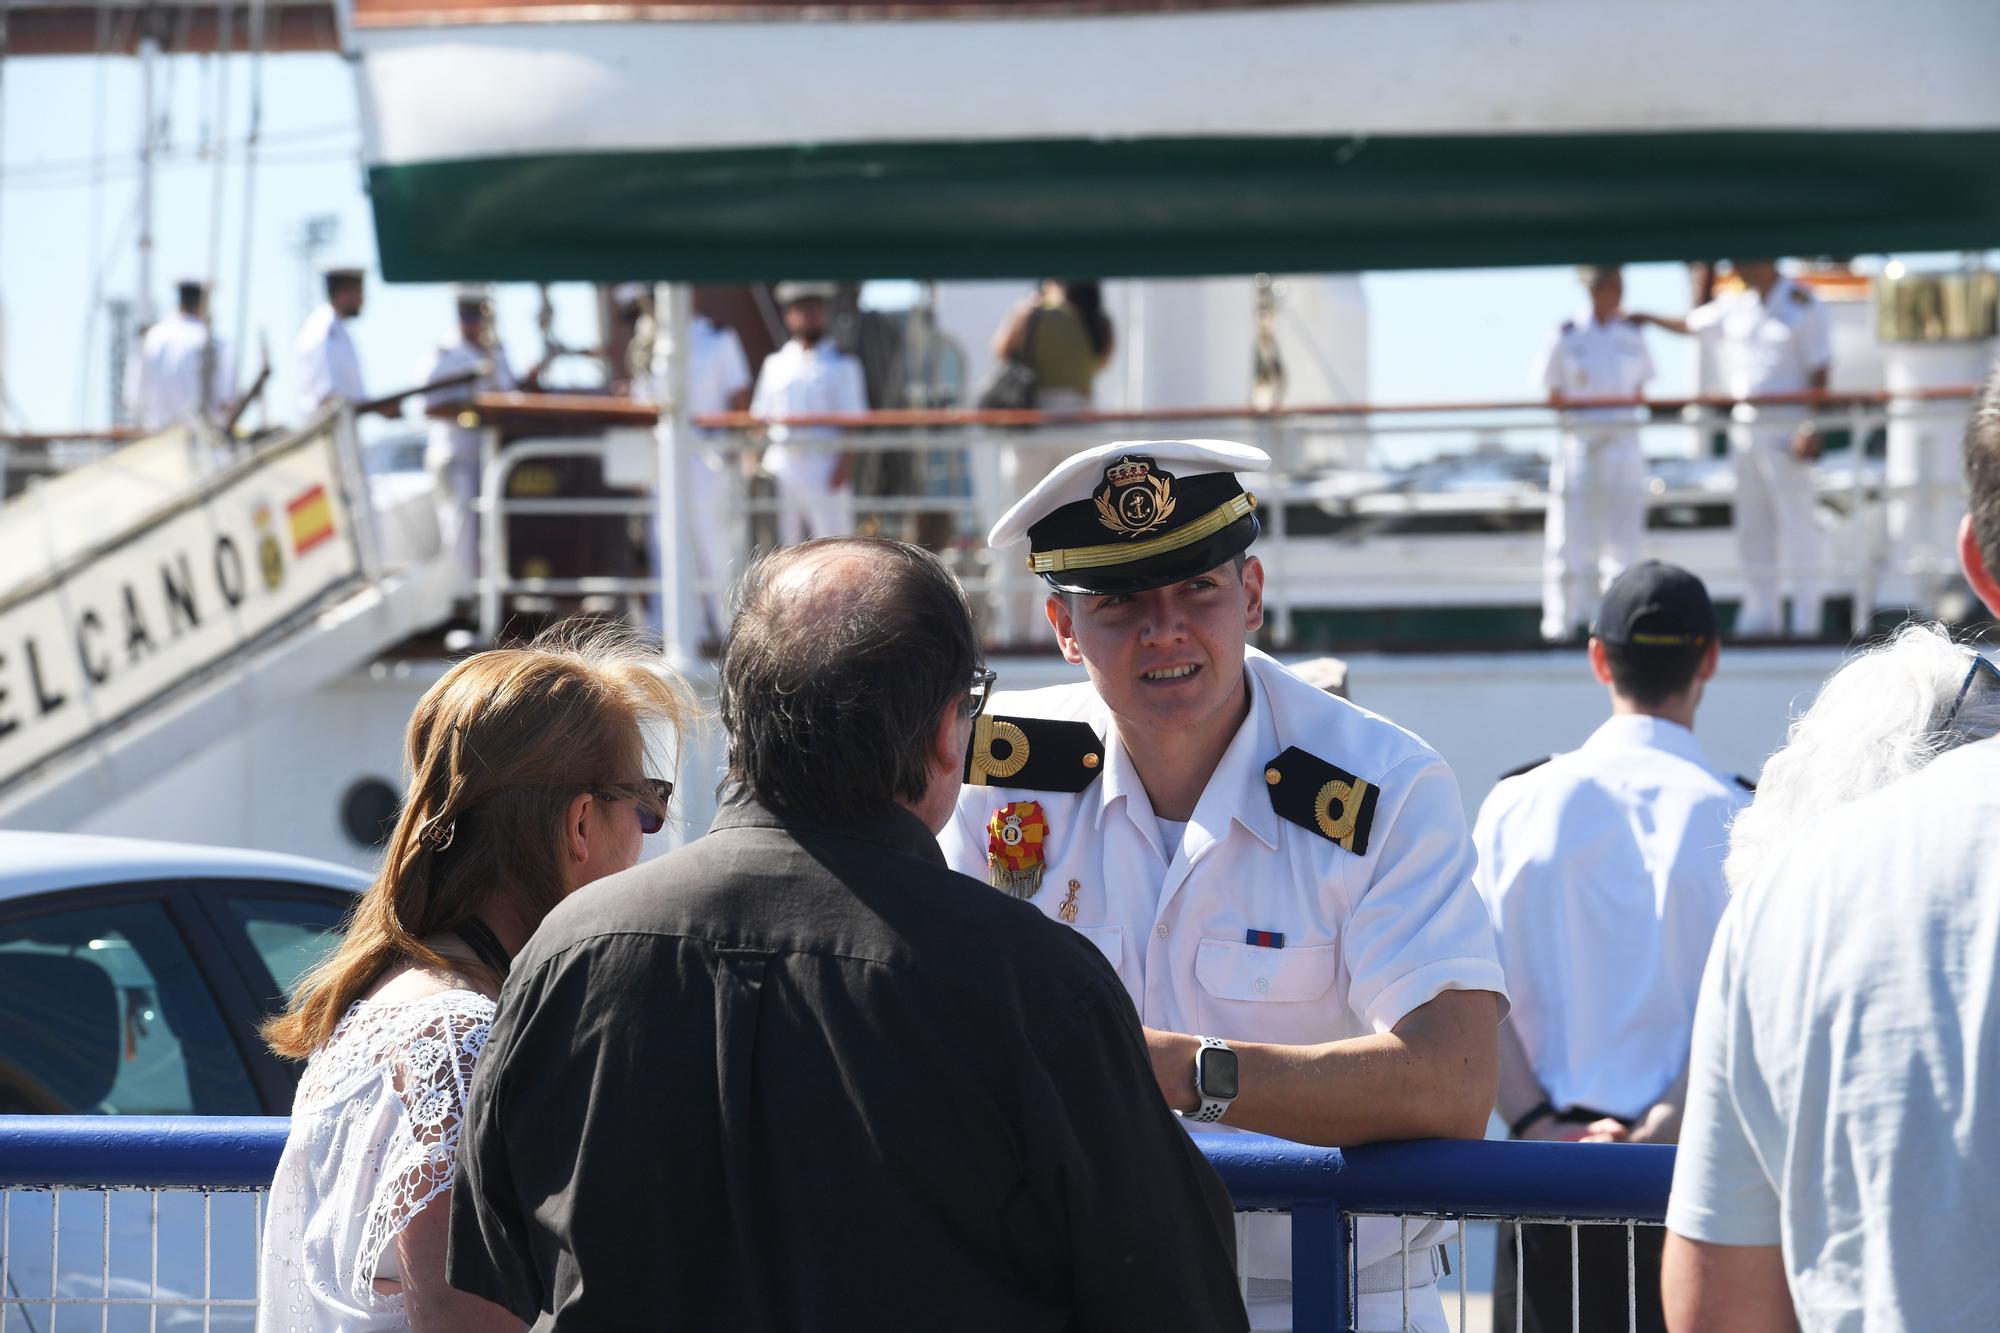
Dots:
pixel 1014 852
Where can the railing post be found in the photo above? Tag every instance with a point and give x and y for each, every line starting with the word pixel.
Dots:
pixel 1320 1280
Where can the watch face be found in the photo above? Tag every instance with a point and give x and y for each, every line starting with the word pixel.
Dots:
pixel 1215 1073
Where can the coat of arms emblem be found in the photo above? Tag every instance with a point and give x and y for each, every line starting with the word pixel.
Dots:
pixel 1135 499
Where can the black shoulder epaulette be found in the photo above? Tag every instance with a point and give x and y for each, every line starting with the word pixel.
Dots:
pixel 1569 326
pixel 1033 753
pixel 1801 296
pixel 1745 783
pixel 1528 767
pixel 1315 795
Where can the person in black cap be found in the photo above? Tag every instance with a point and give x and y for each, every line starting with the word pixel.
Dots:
pixel 1602 869
pixel 1283 881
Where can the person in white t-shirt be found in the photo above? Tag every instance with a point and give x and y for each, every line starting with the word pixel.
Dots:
pixel 809 376
pixel 1597 485
pixel 1602 869
pixel 183 368
pixel 1836 1168
pixel 1772 337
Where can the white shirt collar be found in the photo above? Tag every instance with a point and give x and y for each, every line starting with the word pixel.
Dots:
pixel 1655 733
pixel 1235 790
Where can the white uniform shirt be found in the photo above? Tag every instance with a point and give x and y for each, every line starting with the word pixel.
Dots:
pixel 1586 359
pixel 1766 347
pixel 717 368
pixel 1603 871
pixel 804 381
pixel 457 358
pixel 1843 1100
pixel 168 387
pixel 1367 938
pixel 327 364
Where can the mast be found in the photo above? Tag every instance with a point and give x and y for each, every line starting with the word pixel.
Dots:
pixel 149 51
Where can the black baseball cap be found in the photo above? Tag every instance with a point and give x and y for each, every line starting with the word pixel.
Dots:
pixel 1656 605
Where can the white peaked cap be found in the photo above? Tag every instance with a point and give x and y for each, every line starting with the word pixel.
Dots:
pixel 1079 476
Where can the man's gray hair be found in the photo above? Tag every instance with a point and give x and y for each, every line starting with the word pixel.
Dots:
pixel 1882 716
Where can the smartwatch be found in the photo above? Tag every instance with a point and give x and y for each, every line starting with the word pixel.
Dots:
pixel 1214 1080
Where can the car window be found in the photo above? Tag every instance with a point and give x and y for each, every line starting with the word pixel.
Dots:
pixel 103 1012
pixel 290 935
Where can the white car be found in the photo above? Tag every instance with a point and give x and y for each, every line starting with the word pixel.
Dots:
pixel 132 979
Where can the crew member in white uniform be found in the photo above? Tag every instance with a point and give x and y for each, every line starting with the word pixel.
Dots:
pixel 718 381
pixel 1772 337
pixel 1597 485
pixel 452 455
pixel 327 365
pixel 808 376
pixel 183 370
pixel 1282 880
pixel 1602 869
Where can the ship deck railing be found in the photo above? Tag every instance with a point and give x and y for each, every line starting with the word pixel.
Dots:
pixel 1363 491
pixel 135 1222
pixel 1372 507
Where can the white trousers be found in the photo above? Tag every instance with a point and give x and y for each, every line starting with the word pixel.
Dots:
pixel 809 504
pixel 1596 523
pixel 715 519
pixel 1776 536
pixel 452 458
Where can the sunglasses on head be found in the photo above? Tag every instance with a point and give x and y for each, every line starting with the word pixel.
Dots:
pixel 649 795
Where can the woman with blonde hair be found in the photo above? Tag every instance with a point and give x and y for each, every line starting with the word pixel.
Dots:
pixel 528 780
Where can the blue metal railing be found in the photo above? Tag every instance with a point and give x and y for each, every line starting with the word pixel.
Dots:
pixel 1322 1188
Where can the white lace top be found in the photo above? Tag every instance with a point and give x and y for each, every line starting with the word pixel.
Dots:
pixel 374 1131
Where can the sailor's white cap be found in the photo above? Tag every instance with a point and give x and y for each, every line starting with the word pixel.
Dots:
pixel 1136 514
pixel 786 293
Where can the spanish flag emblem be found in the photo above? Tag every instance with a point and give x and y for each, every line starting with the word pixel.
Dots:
pixel 311 516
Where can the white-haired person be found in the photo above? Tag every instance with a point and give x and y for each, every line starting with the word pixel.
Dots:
pixel 1882 716
pixel 1836 1167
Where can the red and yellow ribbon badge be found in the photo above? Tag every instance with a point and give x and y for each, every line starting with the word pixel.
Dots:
pixel 1014 838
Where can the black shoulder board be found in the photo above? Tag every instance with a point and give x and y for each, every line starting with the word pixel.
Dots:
pixel 1528 767
pixel 1034 753
pixel 1315 795
pixel 1745 783
pixel 1569 326
pixel 1802 296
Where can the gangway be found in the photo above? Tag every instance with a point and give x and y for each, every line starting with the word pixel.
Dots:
pixel 178 589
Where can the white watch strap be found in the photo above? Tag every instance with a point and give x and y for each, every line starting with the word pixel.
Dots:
pixel 1211 1107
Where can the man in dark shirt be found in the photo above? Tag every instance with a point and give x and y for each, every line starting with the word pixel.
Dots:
pixel 800 1075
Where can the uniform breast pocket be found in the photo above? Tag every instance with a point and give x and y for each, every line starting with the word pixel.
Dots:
pixel 1252 993
pixel 1110 941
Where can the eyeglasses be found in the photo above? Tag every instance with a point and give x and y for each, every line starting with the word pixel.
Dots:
pixel 982 687
pixel 1980 666
pixel 650 796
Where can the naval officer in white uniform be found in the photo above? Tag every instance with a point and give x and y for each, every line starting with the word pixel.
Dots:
pixel 1602 869
pixel 452 455
pixel 1282 880
pixel 1597 485
pixel 183 369
pixel 1772 337
pixel 327 366
pixel 809 376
